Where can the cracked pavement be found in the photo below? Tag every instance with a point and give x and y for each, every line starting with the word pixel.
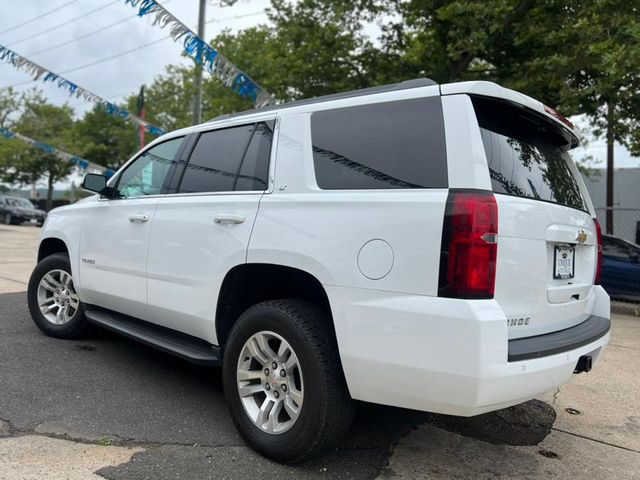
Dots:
pixel 107 407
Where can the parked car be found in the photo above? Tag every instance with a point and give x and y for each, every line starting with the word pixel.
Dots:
pixel 419 245
pixel 621 269
pixel 15 210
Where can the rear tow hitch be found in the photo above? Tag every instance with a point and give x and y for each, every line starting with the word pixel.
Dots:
pixel 584 364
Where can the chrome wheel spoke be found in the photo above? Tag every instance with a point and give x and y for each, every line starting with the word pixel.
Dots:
pixel 250 390
pixel 49 283
pixel 283 351
pixel 60 316
pixel 74 301
pixel 58 301
pixel 292 410
pixel 272 421
pixel 291 363
pixel 264 346
pixel 270 385
pixel 65 279
pixel 249 375
pixel 296 397
pixel 263 413
pixel 257 353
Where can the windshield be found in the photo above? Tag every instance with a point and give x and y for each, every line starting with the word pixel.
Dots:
pixel 19 202
pixel 528 156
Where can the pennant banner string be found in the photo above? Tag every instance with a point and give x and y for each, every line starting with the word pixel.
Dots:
pixel 80 162
pixel 212 60
pixel 38 72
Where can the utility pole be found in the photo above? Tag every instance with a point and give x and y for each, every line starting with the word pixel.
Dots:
pixel 197 100
pixel 610 171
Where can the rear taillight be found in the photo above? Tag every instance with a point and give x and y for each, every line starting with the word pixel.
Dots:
pixel 469 245
pixel 599 252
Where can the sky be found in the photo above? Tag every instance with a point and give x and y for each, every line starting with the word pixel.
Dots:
pixel 102 46
pixel 117 30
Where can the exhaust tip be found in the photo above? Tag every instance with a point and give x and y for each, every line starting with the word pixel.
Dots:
pixel 585 362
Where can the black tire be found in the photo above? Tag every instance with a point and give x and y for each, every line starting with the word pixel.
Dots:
pixel 327 410
pixel 78 324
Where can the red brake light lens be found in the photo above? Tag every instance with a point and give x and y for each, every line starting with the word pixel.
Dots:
pixel 469 245
pixel 559 116
pixel 597 279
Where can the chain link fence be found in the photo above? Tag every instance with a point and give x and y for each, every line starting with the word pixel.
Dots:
pixel 621 253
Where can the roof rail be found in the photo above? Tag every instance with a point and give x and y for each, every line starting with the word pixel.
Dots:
pixel 414 83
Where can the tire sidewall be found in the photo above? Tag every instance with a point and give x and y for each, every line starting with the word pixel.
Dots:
pixel 70 329
pixel 252 321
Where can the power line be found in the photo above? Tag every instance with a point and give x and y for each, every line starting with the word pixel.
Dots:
pixel 106 59
pixel 82 37
pixel 15 27
pixel 126 52
pixel 60 25
pixel 220 20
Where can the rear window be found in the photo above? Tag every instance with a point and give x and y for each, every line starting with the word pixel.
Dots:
pixel 397 144
pixel 528 156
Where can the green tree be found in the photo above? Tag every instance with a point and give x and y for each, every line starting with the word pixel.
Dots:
pixel 103 138
pixel 9 105
pixel 22 164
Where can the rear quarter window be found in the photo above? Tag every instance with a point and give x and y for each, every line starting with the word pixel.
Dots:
pixel 528 156
pixel 389 145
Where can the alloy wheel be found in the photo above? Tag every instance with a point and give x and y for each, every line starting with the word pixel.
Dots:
pixel 270 382
pixel 57 298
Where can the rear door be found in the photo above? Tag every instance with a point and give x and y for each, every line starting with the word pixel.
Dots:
pixel 202 231
pixel 547 240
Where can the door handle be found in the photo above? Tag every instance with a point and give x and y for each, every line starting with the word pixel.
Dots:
pixel 138 218
pixel 228 219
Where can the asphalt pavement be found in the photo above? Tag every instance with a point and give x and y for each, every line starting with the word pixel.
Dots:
pixel 107 407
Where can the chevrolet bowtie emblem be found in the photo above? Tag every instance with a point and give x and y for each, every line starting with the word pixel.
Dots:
pixel 582 236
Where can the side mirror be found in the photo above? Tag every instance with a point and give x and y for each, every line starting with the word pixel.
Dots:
pixel 96 183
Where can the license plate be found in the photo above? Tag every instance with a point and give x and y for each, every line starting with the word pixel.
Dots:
pixel 34 220
pixel 563 262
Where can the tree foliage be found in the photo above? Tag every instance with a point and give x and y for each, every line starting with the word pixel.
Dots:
pixel 22 164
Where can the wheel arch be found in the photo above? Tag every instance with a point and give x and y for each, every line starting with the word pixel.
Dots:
pixel 250 283
pixel 49 246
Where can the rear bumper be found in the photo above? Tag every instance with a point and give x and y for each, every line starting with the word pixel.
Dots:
pixel 450 356
pixel 585 333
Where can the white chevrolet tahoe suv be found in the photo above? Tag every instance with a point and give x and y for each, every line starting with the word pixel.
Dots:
pixel 419 245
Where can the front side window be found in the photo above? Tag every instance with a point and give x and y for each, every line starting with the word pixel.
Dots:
pixel 146 175
pixel 230 159
pixel 398 144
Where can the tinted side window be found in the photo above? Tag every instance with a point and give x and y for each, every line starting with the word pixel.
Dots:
pixel 216 160
pixel 146 175
pixel 255 166
pixel 397 144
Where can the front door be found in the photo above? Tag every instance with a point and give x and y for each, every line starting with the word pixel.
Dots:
pixel 115 234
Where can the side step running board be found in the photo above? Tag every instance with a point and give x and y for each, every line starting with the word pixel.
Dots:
pixel 170 341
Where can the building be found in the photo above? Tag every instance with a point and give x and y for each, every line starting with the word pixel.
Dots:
pixel 626 200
